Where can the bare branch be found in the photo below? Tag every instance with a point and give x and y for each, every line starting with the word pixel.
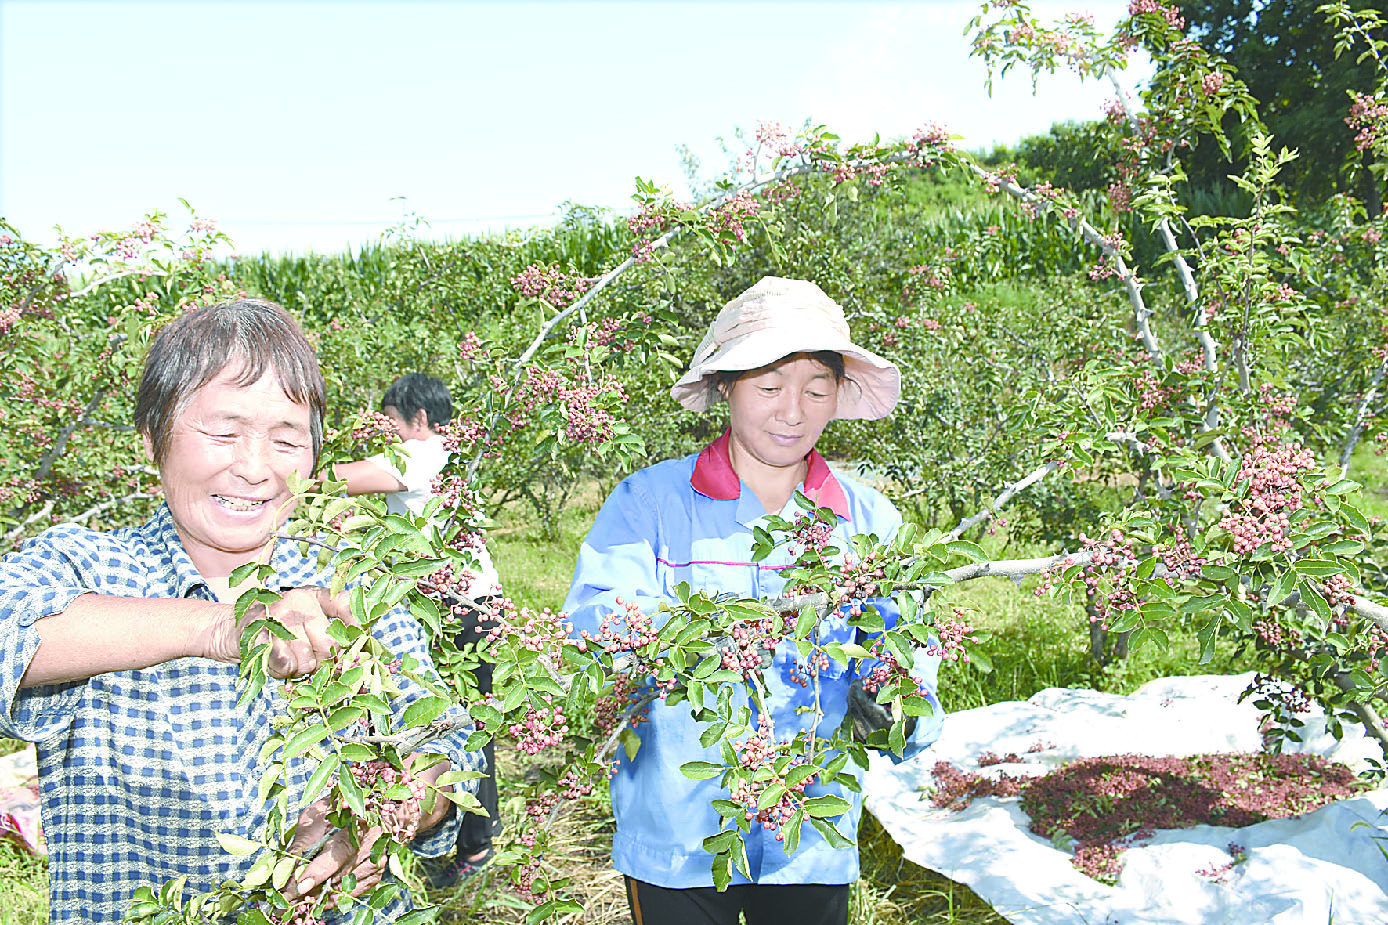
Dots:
pixel 1370 610
pixel 1005 496
pixel 23 526
pixel 1368 717
pixel 1125 274
pixel 59 446
pixel 104 506
pixel 103 280
pixel 1362 412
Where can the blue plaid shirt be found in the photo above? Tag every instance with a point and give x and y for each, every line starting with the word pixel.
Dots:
pixel 140 769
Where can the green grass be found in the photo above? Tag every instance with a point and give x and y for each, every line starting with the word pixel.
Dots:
pixel 23 884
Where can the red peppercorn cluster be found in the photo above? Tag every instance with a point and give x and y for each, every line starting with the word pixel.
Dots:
pixel 550 285
pixel 1274 494
pixel 888 670
pixel 609 708
pixel 1275 635
pixel 628 632
pixel 758 753
pixel 537 812
pixel 399 818
pixel 802 673
pixel 1111 561
pixel 541 727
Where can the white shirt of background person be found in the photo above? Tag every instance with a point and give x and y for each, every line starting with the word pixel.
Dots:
pixel 410 490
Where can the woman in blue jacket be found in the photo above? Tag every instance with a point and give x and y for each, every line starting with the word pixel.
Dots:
pixel 780 354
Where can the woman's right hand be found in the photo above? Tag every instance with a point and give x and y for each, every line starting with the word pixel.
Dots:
pixel 304 612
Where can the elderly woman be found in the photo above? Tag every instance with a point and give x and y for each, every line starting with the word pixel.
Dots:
pixel 120 649
pixel 781 356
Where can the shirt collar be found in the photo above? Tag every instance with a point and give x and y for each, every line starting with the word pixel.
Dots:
pixel 714 478
pixel 163 535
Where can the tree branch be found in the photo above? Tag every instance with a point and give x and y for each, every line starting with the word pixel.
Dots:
pixel 103 506
pixel 59 446
pixel 19 529
pixel 1362 412
pixel 1005 496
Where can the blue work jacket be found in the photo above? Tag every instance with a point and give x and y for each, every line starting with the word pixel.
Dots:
pixel 690 520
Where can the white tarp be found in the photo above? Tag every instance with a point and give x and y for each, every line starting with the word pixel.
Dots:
pixel 1324 867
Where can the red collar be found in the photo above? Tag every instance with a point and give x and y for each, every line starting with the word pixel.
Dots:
pixel 714 478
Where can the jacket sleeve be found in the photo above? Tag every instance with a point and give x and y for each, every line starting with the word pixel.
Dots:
pixel 617 560
pixel 38 581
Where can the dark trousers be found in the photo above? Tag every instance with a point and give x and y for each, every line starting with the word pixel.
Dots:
pixel 476 833
pixel 792 904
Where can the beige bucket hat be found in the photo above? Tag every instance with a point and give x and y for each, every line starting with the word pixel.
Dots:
pixel 778 317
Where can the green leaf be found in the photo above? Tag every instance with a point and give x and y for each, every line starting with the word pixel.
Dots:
pixel 546 910
pixel 305 739
pixel 791 831
pixel 353 751
pixel 631 742
pixel 1282 587
pixel 284 867
pixel 1317 568
pixel 259 872
pixel 701 770
pixel 720 841
pixel 345 716
pixel 1125 621
pixel 1314 600
pixel 971 551
pixel 826 805
pixel 771 796
pixel 722 871
pixel 319 779
pixel 425 710
pixel 418 568
pixel 419 916
pixel 712 733
pixel 1356 519
pixel 352 793
pixel 831 835
pixel 726 809
pixel 238 845
pixel 1216 572
pixel 1145 637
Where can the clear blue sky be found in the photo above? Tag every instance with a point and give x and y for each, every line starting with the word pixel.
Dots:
pixel 296 124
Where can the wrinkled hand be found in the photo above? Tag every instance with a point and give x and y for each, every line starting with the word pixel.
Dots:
pixel 337 858
pixel 869 716
pixel 305 612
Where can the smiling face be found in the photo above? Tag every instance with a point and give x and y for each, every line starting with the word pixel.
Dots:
pixel 777 414
pixel 230 452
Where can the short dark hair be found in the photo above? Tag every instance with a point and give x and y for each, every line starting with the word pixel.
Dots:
pixel 193 349
pixel 416 392
pixel 723 379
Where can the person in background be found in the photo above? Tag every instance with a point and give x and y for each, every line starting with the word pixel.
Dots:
pixel 418 405
pixel 781 356
pixel 119 650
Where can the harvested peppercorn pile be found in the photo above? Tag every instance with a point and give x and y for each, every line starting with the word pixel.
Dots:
pixel 1157 807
